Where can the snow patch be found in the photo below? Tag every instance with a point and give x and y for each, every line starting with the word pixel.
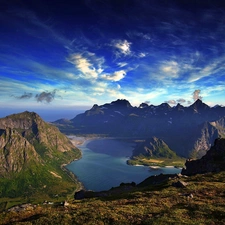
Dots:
pixel 119 113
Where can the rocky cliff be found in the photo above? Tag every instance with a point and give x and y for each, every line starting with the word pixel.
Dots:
pixel 31 154
pixel 213 161
pixel 15 152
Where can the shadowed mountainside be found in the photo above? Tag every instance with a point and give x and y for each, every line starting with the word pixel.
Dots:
pixel 189 131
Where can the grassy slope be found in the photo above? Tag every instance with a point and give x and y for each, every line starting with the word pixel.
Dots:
pixel 159 204
pixel 155 161
pixel 39 182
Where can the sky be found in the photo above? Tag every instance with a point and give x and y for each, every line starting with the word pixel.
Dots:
pixel 61 57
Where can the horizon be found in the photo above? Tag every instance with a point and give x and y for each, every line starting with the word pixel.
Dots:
pixel 62 59
pixel 53 115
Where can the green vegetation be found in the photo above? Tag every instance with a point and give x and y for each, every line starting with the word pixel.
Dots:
pixel 34 155
pixel 155 161
pixel 150 204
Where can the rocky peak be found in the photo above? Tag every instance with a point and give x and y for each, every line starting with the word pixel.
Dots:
pixel 143 105
pixel 198 105
pixel 179 107
pixel 121 103
pixel 24 120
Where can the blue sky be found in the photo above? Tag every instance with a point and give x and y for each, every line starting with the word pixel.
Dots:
pixel 60 57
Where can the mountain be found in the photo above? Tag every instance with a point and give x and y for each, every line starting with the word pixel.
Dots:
pixel 213 161
pixel 154 152
pixel 31 155
pixel 189 131
pixel 154 148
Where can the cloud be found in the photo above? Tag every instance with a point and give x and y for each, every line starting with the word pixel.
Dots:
pixel 196 95
pixel 122 47
pixel 116 76
pixel 122 64
pixel 215 67
pixel 24 96
pixel 172 102
pixel 170 68
pixel 46 96
pixel 87 63
pixel 181 100
pixel 134 34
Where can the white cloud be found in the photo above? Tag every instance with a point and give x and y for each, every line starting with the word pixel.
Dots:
pixel 116 76
pixel 122 47
pixel 90 66
pixel 142 55
pixel 122 64
pixel 172 102
pixel 83 65
pixel 170 68
pixel 208 70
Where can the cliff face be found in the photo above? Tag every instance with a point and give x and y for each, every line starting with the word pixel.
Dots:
pixel 213 161
pixel 15 152
pixel 31 154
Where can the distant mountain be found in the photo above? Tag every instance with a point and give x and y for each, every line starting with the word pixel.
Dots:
pixel 155 148
pixel 32 153
pixel 189 131
pixel 213 161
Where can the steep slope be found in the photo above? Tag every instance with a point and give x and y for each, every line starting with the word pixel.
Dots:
pixel 32 153
pixel 155 148
pixel 16 153
pixel 213 161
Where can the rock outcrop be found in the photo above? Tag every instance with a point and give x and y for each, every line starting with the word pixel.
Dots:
pixel 213 161
pixel 15 152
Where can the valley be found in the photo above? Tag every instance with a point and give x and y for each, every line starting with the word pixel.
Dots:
pixel 40 166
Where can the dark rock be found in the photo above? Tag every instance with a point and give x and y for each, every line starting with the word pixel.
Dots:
pixel 213 161
pixel 179 184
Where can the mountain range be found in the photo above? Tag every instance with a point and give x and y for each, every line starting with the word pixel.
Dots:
pixel 189 131
pixel 31 156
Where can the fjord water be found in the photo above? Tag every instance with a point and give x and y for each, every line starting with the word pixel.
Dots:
pixel 103 165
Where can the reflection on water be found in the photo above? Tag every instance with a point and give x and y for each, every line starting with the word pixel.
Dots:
pixel 103 165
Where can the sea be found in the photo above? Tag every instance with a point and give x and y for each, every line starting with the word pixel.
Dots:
pixel 104 165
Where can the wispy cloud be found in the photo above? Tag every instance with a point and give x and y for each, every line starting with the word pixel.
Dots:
pixel 25 96
pixel 90 66
pixel 209 69
pixel 170 68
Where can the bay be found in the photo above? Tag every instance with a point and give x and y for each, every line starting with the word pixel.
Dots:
pixel 103 165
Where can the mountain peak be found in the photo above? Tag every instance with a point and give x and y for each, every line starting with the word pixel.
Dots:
pixel 143 105
pixel 199 105
pixel 122 103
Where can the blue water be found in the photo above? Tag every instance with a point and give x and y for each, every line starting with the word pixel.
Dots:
pixel 103 165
